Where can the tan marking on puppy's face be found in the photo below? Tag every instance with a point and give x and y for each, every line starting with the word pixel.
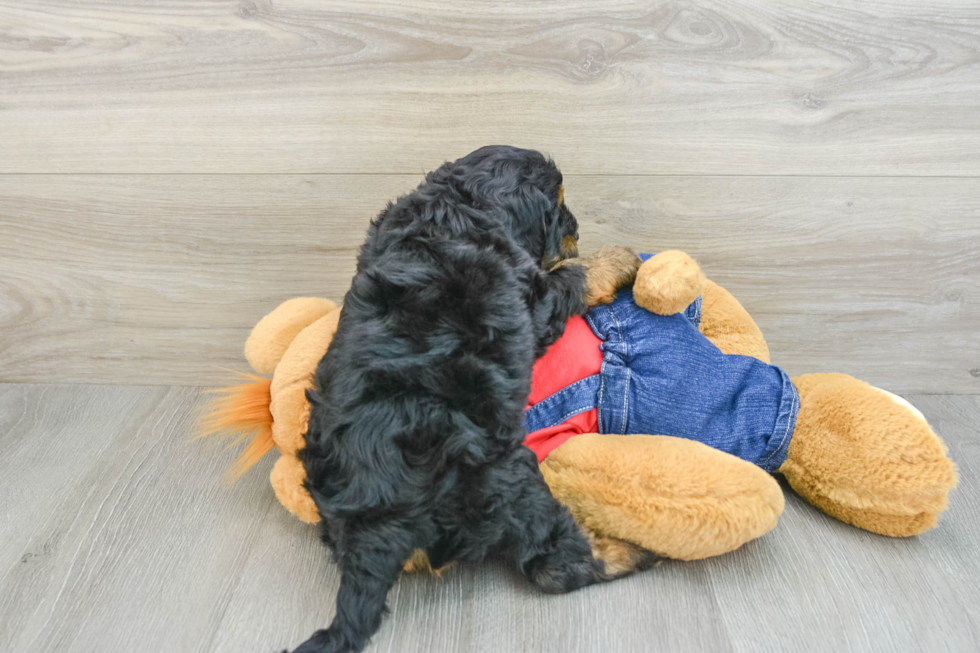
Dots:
pixel 561 194
pixel 569 247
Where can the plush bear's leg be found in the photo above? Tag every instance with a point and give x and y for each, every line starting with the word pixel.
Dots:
pixel 549 546
pixel 271 337
pixel 678 498
pixel 867 457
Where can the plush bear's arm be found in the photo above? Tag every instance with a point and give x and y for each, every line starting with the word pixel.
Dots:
pixel 729 326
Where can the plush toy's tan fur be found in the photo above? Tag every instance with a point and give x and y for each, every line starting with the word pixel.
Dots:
pixel 675 497
pixel 287 478
pixel 728 325
pixel 866 459
pixel 293 377
pixel 271 337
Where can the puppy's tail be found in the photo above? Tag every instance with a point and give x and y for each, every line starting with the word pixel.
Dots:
pixel 241 412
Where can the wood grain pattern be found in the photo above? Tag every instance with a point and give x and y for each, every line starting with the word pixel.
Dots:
pixel 820 159
pixel 654 87
pixel 158 279
pixel 831 587
pixel 115 526
pixel 116 534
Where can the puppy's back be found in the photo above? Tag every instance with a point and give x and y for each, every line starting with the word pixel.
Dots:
pixel 431 363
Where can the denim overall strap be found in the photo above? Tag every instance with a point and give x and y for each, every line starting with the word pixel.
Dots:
pixel 613 397
pixel 564 404
pixel 693 312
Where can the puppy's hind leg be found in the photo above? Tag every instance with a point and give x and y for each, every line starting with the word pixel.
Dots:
pixel 370 564
pixel 571 559
pixel 552 550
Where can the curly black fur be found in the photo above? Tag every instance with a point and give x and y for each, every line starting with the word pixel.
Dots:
pixel 415 436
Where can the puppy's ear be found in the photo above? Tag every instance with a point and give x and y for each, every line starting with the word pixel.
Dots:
pixel 534 220
pixel 553 236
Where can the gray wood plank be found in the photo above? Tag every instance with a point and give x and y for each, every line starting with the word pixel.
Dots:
pixel 741 87
pixel 289 587
pixel 117 534
pixel 52 440
pixel 158 279
pixel 816 584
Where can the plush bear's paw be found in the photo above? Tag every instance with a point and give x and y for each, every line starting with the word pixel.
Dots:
pixel 668 283
pixel 608 270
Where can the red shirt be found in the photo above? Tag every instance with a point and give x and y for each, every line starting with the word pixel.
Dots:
pixel 571 358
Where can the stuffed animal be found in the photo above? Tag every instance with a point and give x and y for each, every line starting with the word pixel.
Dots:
pixel 694 366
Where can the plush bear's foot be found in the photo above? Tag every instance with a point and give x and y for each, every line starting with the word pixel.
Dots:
pixel 867 457
pixel 677 498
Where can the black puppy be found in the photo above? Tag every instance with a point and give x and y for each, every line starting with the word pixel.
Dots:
pixel 415 436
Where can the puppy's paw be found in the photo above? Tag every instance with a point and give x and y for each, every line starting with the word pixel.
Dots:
pixel 328 640
pixel 607 271
pixel 620 557
pixel 419 564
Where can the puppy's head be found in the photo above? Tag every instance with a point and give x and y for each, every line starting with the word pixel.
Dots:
pixel 524 188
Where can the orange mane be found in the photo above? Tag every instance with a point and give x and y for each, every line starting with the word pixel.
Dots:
pixel 242 411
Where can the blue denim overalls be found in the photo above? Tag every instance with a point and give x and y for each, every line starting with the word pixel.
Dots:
pixel 661 376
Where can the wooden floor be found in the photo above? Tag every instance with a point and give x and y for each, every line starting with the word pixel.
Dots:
pixel 119 536
pixel 170 170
